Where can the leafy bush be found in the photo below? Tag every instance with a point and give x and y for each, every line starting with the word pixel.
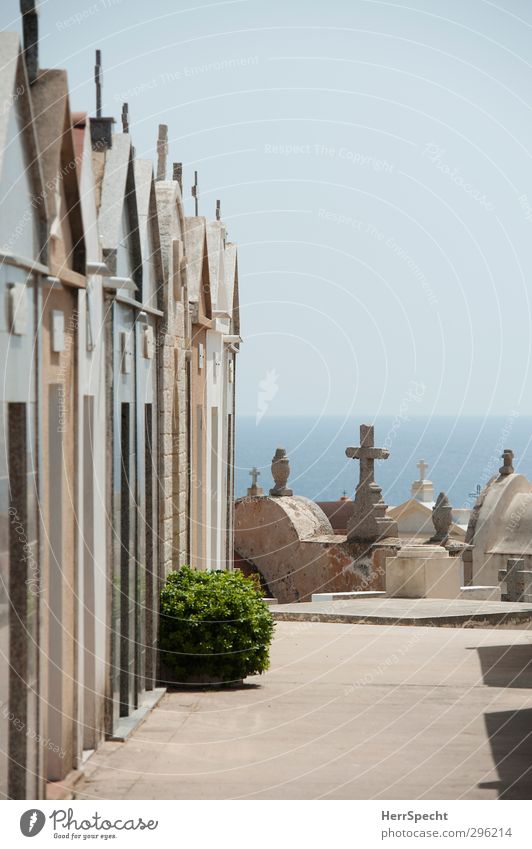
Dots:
pixel 214 626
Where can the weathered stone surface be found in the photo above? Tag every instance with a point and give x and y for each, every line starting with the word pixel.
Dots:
pixel 291 543
pixel 174 432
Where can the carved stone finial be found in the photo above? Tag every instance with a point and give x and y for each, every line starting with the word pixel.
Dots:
pixel 280 474
pixel 442 519
pixel 507 467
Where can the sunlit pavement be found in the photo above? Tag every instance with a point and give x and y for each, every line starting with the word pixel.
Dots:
pixel 346 711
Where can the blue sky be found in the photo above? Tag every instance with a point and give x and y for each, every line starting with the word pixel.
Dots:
pixel 373 162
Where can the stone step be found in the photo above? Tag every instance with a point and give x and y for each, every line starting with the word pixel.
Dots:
pixel 347 595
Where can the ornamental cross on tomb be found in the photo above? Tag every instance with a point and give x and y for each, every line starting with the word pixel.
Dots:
pixel 422 466
pixel 254 475
pixel 367 454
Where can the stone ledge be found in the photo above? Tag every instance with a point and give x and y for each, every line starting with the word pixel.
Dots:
pixel 128 724
pixel 347 595
pixel 479 593
pixel 447 613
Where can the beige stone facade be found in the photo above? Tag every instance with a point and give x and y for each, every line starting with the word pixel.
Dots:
pixel 174 342
pixel 59 318
pixel 112 398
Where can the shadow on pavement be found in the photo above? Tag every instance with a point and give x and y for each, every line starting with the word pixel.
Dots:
pixel 510 737
pixel 506 666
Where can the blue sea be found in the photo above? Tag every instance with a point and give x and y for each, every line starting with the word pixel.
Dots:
pixel 461 453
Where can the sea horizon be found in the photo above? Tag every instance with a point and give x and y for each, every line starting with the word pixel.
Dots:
pixel 462 452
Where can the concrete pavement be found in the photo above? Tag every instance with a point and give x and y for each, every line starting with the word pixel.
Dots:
pixel 346 711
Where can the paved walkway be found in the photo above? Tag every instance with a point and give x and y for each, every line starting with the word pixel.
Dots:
pixel 347 711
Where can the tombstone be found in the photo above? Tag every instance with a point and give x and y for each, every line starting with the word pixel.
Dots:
pixel 280 473
pixel 442 519
pixel 518 581
pixel 254 489
pixel 368 520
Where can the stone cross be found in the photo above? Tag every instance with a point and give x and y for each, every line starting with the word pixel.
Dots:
pixel 98 79
pixel 177 174
pixel 254 489
pixel 125 118
pixel 162 151
pixel 367 454
pixel 218 210
pixel 30 32
pixel 368 521
pixel 422 466
pixel 195 193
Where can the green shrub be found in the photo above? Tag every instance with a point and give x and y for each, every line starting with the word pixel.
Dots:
pixel 214 626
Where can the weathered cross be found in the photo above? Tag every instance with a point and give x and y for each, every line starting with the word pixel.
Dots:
pixel 125 118
pixel 30 25
pixel 422 466
pixel 254 475
pixel 195 193
pixel 162 151
pixel 367 454
pixel 98 79
pixel 177 174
